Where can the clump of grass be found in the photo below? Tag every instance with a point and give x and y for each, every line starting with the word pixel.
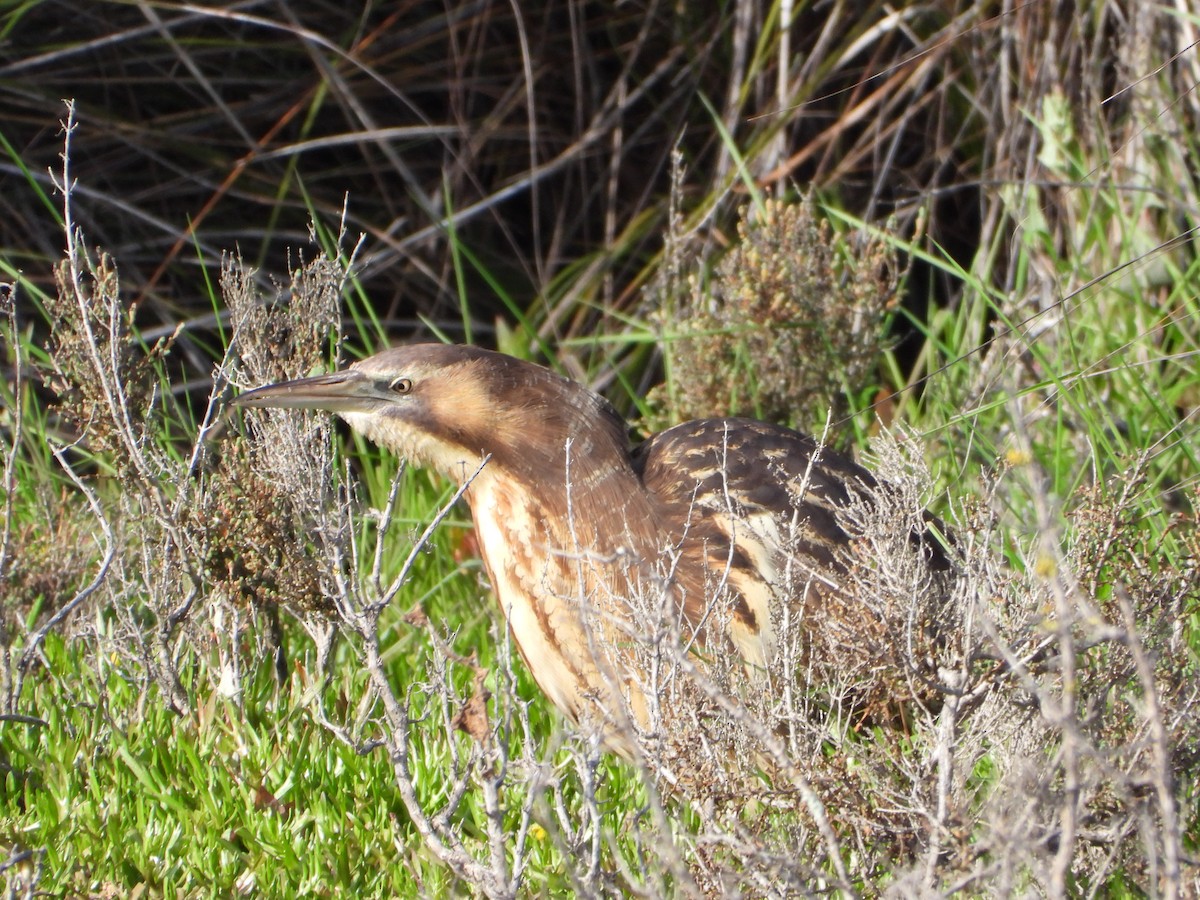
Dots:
pixel 50 554
pixel 789 328
pixel 262 552
pixel 190 535
pixel 104 380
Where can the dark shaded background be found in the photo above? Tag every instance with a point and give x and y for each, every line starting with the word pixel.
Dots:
pixel 541 133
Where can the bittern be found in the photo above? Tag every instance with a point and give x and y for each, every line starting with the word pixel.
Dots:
pixel 574 524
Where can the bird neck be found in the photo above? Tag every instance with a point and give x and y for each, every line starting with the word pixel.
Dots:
pixel 577 487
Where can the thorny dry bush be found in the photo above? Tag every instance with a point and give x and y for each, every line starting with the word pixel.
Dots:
pixel 169 574
pixel 160 543
pixel 1050 736
pixel 788 329
pixel 107 400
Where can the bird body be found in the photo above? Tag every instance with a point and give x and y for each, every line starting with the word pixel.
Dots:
pixel 575 525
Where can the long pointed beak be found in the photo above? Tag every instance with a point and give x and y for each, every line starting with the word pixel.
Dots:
pixel 346 391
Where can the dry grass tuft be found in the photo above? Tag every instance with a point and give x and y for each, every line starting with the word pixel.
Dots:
pixel 790 327
pixel 263 552
pixel 194 542
pixel 50 555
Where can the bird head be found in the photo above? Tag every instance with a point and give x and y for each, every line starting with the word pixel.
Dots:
pixel 450 406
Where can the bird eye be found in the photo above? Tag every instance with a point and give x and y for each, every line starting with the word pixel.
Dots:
pixel 402 385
